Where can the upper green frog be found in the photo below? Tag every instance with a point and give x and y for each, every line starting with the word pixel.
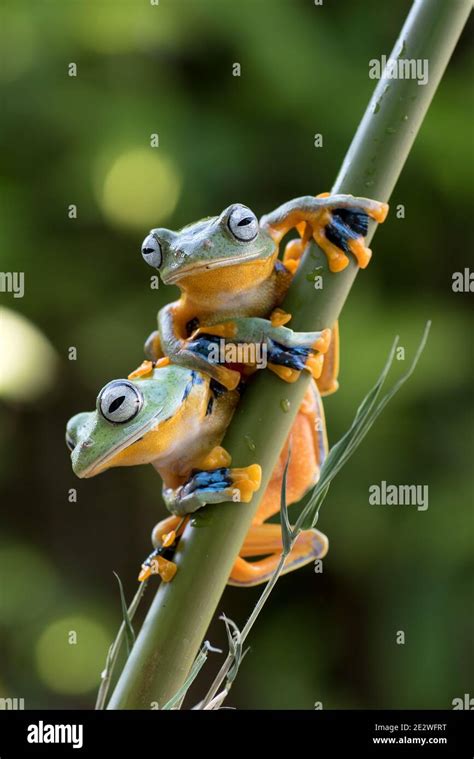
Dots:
pixel 232 281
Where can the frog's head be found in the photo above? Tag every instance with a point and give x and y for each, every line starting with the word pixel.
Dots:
pixel 201 250
pixel 136 422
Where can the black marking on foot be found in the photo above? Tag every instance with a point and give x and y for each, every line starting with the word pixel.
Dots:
pixel 346 224
pixel 215 480
pixel 217 389
pixel 166 552
pixel 357 220
pixel 294 358
pixel 202 344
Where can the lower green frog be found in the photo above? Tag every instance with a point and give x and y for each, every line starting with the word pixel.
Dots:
pixel 175 418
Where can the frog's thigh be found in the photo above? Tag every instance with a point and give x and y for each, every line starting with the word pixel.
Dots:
pixel 327 382
pixel 266 538
pixel 310 545
pixel 308 449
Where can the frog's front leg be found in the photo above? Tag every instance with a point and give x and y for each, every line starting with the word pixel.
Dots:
pixel 338 223
pixel 286 352
pixel 213 486
pixel 189 351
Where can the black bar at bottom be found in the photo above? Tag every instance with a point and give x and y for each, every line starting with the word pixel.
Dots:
pixel 169 733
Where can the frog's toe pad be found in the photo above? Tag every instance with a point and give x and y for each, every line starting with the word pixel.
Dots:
pixel 284 372
pixel 343 231
pixel 145 369
pixel 322 343
pixel 278 317
pixel 314 365
pixel 247 481
pixel 218 458
pixel 168 538
pixel 157 565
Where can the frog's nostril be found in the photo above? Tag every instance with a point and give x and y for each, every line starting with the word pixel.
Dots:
pixel 87 443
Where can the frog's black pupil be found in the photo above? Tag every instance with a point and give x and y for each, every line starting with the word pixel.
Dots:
pixel 116 404
pixel 147 251
pixel 244 222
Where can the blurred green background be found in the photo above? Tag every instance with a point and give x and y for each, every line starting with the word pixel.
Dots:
pixel 85 140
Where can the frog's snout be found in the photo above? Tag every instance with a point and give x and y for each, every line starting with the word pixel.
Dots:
pixel 82 458
pixel 78 440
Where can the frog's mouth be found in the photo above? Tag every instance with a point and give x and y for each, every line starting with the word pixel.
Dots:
pixel 217 263
pixel 102 463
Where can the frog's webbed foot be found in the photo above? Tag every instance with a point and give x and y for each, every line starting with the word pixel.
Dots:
pixel 159 562
pixel 338 223
pixel 287 357
pixel 203 353
pixel 213 486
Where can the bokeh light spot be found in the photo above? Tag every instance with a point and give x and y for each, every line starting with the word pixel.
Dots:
pixel 140 190
pixel 129 28
pixel 72 667
pixel 27 359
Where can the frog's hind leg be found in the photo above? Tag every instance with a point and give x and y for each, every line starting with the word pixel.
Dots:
pixel 266 538
pixel 327 381
pixel 309 446
pixel 159 562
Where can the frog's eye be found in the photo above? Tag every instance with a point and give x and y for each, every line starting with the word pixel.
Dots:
pixel 151 251
pixel 119 401
pixel 243 224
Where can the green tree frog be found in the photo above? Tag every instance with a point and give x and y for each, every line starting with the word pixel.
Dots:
pixel 175 419
pixel 232 283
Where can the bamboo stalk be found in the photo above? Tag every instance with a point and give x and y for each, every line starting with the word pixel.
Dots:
pixel 182 610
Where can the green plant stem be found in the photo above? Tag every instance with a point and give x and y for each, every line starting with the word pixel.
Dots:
pixel 114 649
pixel 182 610
pixel 221 675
